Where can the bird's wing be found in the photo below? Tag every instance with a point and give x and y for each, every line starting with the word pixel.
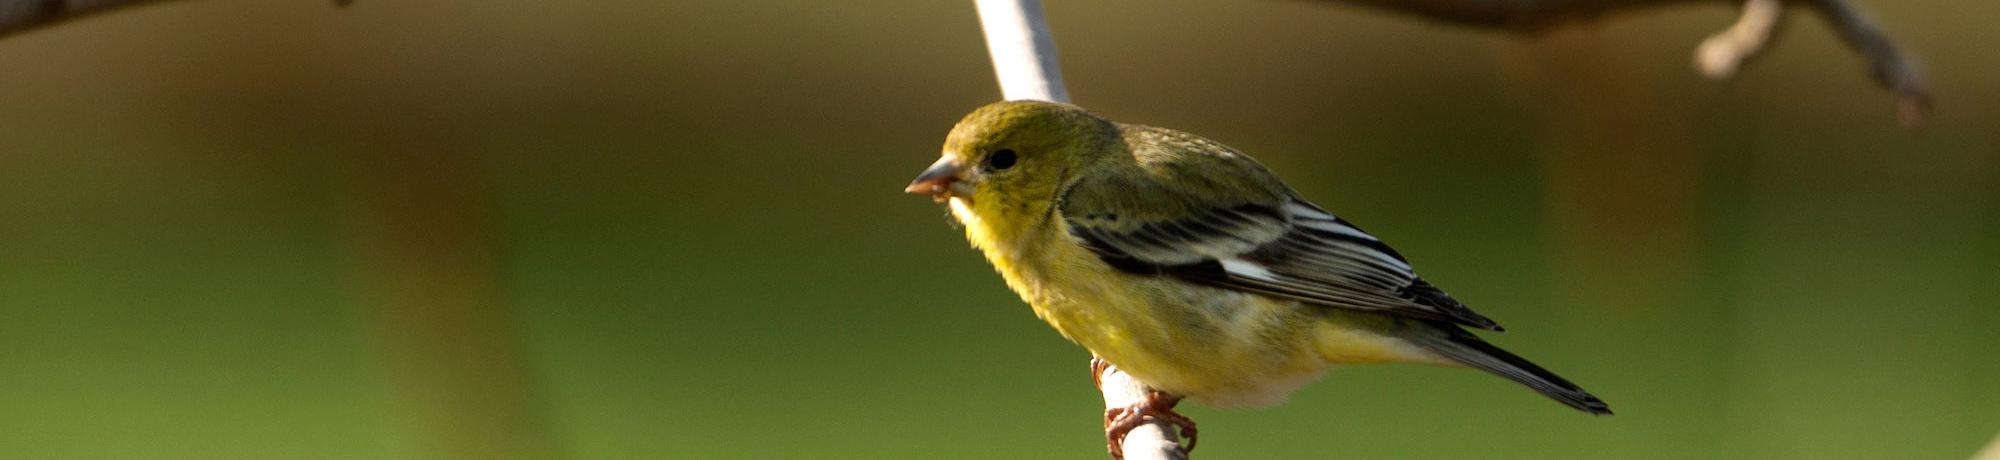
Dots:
pixel 1266 241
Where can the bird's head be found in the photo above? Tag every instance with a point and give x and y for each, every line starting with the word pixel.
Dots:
pixel 1007 160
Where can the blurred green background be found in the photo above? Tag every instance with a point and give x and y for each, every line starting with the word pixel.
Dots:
pixel 637 229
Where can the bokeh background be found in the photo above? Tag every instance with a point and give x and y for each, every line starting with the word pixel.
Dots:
pixel 238 229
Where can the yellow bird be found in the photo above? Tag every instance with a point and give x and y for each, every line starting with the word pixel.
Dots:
pixel 1192 267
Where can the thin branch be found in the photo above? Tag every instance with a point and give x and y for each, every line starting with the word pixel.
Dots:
pixel 1991 452
pixel 1018 24
pixel 1023 50
pixel 1526 16
pixel 17 16
pixel 1892 69
pixel 1151 441
pixel 1720 55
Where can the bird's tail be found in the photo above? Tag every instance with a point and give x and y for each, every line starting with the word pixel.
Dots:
pixel 1468 349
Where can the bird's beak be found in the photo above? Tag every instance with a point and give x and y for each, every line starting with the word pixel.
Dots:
pixel 940 181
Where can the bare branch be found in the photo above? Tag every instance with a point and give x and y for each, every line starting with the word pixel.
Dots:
pixel 1527 16
pixel 1720 55
pixel 1892 69
pixel 17 16
pixel 1023 50
pixel 1991 452
pixel 1155 440
pixel 1018 25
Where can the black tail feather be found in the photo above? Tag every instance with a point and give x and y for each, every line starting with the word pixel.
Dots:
pixel 1466 348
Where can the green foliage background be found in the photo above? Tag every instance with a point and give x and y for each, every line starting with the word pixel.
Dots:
pixel 700 251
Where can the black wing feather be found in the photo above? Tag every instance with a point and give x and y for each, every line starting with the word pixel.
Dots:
pixel 1314 257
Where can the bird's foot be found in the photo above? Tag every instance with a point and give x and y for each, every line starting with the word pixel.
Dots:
pixel 1156 406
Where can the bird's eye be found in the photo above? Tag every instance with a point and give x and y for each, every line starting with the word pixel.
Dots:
pixel 1001 159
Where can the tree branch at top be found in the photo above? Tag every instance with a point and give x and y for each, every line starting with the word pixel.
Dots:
pixel 1720 55
pixel 1717 57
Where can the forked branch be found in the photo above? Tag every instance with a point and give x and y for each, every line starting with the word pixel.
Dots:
pixel 1718 57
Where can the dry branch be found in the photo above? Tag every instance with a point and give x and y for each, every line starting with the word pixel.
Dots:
pixel 1721 54
pixel 1991 452
pixel 1892 68
pixel 1718 57
pixel 21 15
pixel 1514 15
pixel 1152 441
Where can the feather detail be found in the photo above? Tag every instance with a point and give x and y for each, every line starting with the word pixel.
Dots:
pixel 1175 215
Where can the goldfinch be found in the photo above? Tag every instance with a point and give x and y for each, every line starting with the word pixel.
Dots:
pixel 1192 267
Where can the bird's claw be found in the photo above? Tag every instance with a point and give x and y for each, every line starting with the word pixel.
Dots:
pixel 1157 406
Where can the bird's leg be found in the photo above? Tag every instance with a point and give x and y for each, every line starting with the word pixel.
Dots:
pixel 1156 406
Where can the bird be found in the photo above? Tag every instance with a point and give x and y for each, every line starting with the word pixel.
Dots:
pixel 1191 266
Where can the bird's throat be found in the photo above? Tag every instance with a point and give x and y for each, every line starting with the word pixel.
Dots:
pixel 1007 247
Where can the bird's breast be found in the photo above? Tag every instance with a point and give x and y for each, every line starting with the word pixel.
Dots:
pixel 1215 346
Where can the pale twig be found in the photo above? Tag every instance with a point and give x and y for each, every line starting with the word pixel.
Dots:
pixel 1720 55
pixel 1151 441
pixel 1991 452
pixel 1023 50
